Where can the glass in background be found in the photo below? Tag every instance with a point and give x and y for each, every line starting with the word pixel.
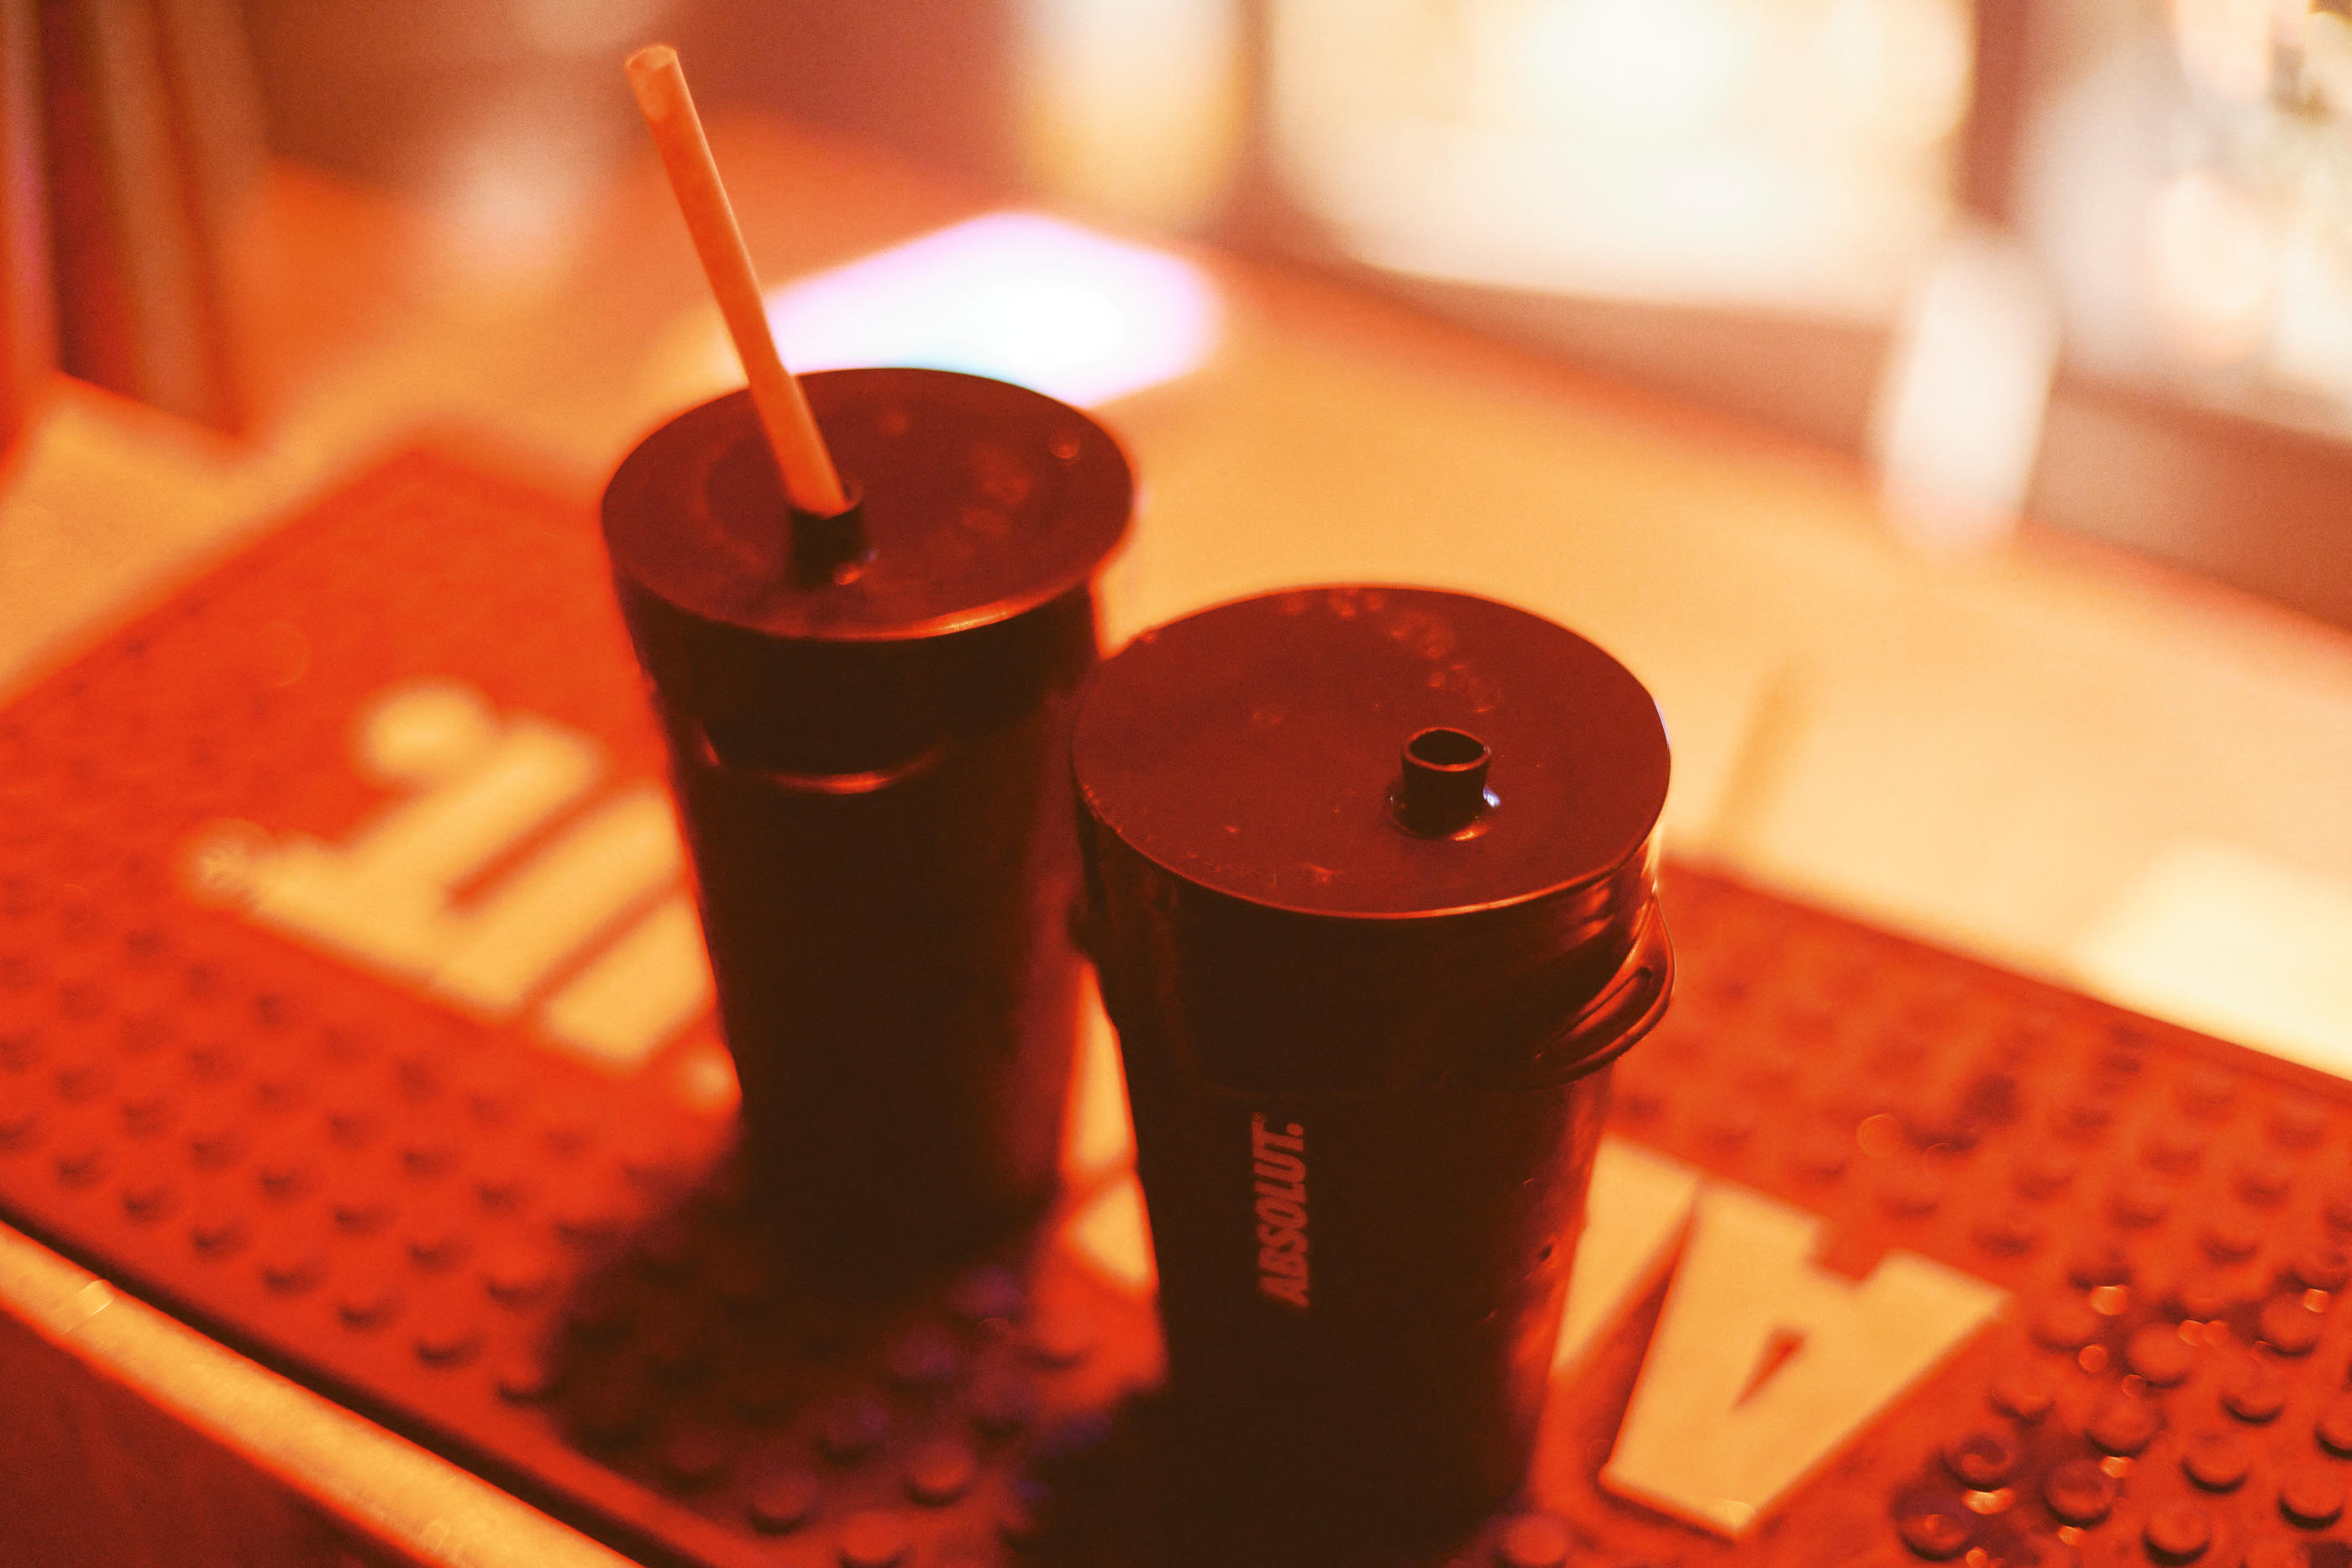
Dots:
pixel 1772 155
pixel 2188 185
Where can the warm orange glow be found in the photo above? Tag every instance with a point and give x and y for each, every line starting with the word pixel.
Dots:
pixel 1905 66
pixel 1025 298
pixel 2311 345
pixel 706 1078
pixel 2212 257
pixel 2225 44
pixel 1133 106
pixel 2250 945
pixel 1113 1235
pixel 1959 416
pixel 1665 66
pixel 1733 152
pixel 1098 1134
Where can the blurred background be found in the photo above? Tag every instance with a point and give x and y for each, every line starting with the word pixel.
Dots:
pixel 2126 225
pixel 1945 405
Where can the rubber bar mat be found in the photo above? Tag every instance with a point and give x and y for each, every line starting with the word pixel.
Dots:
pixel 350 1008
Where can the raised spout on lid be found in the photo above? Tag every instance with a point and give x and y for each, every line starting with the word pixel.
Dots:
pixel 1441 789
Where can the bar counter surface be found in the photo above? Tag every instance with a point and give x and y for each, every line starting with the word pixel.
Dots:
pixel 2001 753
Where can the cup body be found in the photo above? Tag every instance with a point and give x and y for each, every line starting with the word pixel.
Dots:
pixel 868 768
pixel 1365 1115
pixel 896 977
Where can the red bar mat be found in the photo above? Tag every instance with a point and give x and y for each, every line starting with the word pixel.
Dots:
pixel 1907 1258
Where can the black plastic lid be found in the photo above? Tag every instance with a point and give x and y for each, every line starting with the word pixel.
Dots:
pixel 1260 749
pixel 978 501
